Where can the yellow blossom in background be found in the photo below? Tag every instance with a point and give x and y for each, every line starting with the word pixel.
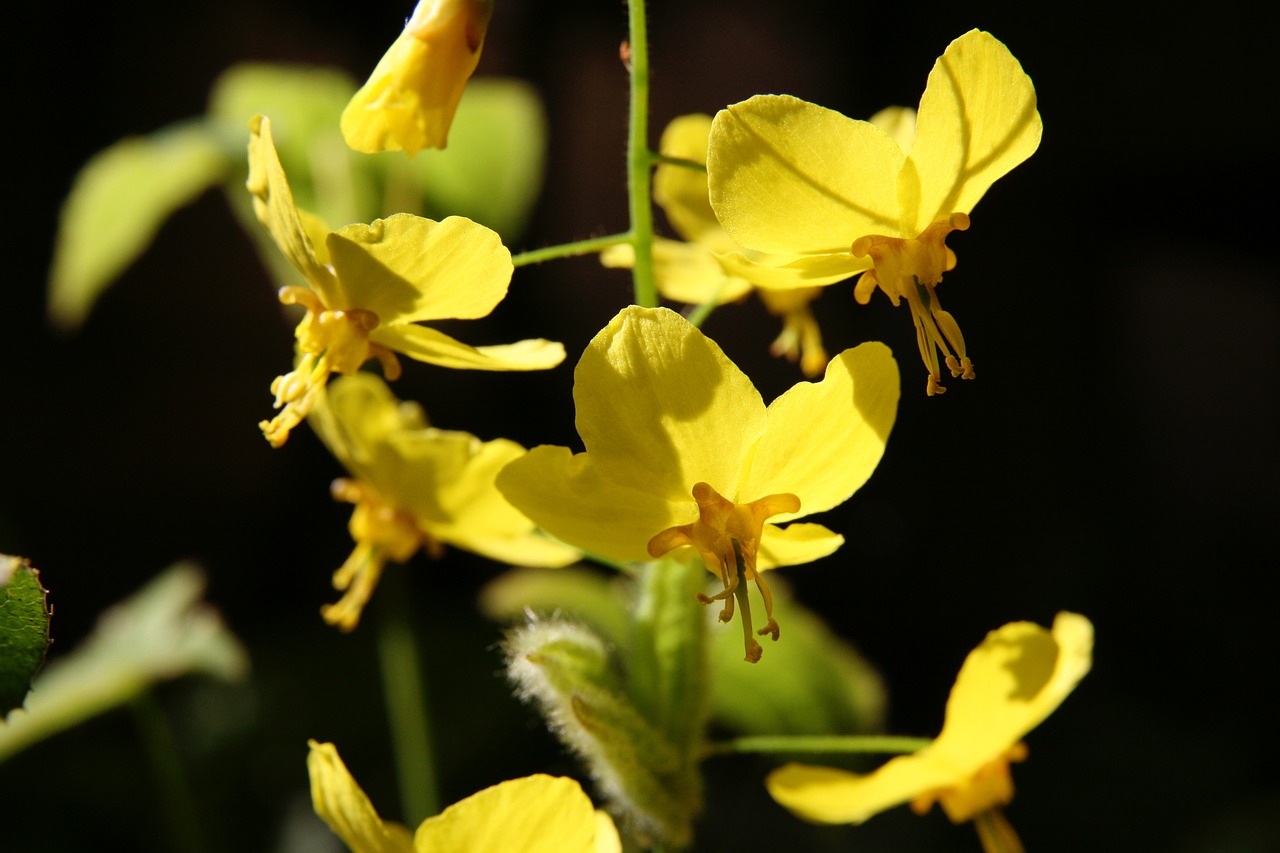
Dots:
pixel 535 814
pixel 414 488
pixel 369 286
pixel 1007 686
pixel 682 451
pixel 410 98
pixel 831 196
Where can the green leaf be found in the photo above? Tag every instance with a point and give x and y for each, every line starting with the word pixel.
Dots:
pixel 809 682
pixel 581 594
pixel 161 632
pixel 492 170
pixel 24 629
pixel 117 204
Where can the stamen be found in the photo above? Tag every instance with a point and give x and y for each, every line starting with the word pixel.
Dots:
pixel 996 833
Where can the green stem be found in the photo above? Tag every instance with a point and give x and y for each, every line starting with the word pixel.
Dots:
pixel 404 689
pixel 832 744
pixel 174 788
pixel 569 250
pixel 640 159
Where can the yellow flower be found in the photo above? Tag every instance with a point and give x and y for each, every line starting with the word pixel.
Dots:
pixel 416 487
pixel 368 286
pixel 830 196
pixel 681 451
pixel 1007 686
pixel 535 814
pixel 410 98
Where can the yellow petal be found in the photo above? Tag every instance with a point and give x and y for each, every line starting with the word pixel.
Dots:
pixel 354 416
pixel 685 272
pixel 899 123
pixel 786 272
pixel 536 814
pixel 795 544
pixel 681 191
pixel 339 801
pixel 566 496
pixel 274 206
pixel 661 408
pixel 822 440
pixel 792 177
pixel 977 121
pixel 829 795
pixel 408 269
pixel 425 344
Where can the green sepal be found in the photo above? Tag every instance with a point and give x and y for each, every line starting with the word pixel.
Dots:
pixel 24 629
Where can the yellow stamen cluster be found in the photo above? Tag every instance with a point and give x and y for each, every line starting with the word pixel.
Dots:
pixel 911 269
pixel 329 342
pixel 726 536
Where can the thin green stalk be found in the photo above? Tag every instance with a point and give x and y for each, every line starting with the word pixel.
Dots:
pixel 640 159
pixel 569 250
pixel 679 161
pixel 404 688
pixel 171 780
pixel 832 744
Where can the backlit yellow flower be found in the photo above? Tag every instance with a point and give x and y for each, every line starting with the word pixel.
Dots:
pixel 681 451
pixel 829 196
pixel 416 487
pixel 1007 686
pixel 369 286
pixel 410 98
pixel 535 814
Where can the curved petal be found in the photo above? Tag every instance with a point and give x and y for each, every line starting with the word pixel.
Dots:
pixel 536 814
pixel 795 544
pixel 565 495
pixel 829 795
pixel 822 440
pixel 661 408
pixel 354 415
pixel 1009 684
pixel 426 344
pixel 339 801
pixel 407 269
pixel 681 191
pixel 790 176
pixel 787 272
pixel 977 121
pixel 685 272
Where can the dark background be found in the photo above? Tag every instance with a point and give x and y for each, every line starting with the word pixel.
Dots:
pixel 1117 455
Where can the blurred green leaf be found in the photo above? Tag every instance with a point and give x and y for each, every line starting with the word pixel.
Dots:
pixel 117 204
pixel 24 629
pixel 161 632
pixel 809 682
pixel 578 594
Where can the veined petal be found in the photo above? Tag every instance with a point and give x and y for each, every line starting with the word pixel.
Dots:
pixel 977 121
pixel 1010 684
pixel 660 407
pixel 788 272
pixel 274 206
pixel 829 795
pixel 795 544
pixel 681 191
pixel 790 176
pixel 408 269
pixel 536 814
pixel 340 802
pixel 822 440
pixel 434 347
pixel 566 496
pixel 685 272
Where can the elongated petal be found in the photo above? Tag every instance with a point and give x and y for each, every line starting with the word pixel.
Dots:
pixel 661 408
pixel 788 272
pixel 795 544
pixel 566 496
pixel 536 814
pixel 426 344
pixel 274 206
pixel 977 121
pixel 1010 684
pixel 340 802
pixel 822 440
pixel 407 269
pixel 790 176
pixel 829 795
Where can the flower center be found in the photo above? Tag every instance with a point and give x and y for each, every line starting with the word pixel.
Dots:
pixel 726 536
pixel 381 533
pixel 330 342
pixel 911 269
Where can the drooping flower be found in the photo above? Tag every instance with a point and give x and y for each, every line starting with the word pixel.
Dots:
pixel 369 286
pixel 681 451
pixel 1007 686
pixel 534 814
pixel 415 487
pixel 410 98
pixel 829 196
